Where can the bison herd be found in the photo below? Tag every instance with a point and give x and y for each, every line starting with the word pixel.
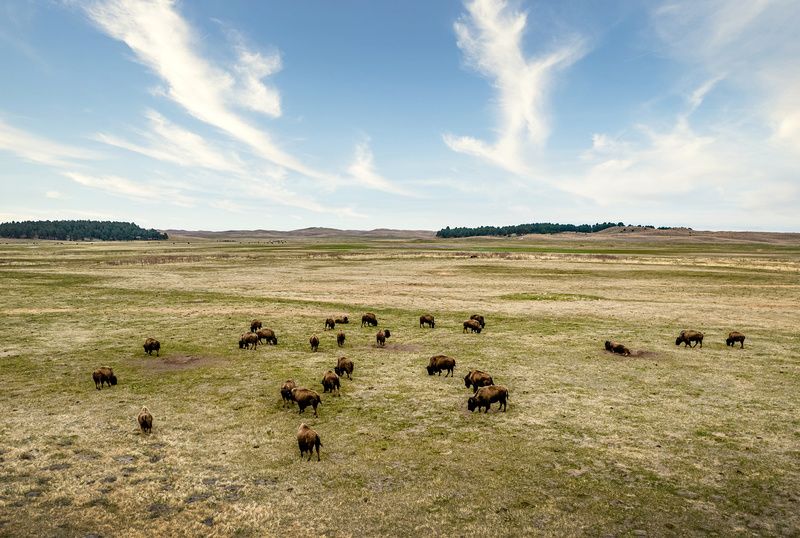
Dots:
pixel 485 392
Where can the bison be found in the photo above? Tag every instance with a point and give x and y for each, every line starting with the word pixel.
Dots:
pixel 268 335
pixel 102 375
pixel 486 396
pixel 479 319
pixel 150 345
pixel 426 319
pixel 340 339
pixel 248 341
pixel 330 381
pixel 733 337
pixel 308 440
pixel 616 347
pixel 439 363
pixel 286 391
pixel 255 325
pixel 314 341
pixel 344 366
pixel 472 325
pixel 686 337
pixel 145 420
pixel 369 319
pixel 329 324
pixel 305 397
pixel 477 379
pixel 381 337
pixel 343 320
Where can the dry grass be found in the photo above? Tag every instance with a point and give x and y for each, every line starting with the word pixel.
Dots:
pixel 671 441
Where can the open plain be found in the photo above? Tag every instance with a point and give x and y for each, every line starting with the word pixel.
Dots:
pixel 669 441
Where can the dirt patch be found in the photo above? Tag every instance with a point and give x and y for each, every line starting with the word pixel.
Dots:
pixel 636 354
pixel 183 362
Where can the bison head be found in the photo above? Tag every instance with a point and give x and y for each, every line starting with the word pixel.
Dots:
pixel 387 333
pixel 338 370
pixel 608 345
pixel 113 379
pixel 467 381
pixel 729 341
pixel 430 369
pixel 679 340
pixel 472 403
pixel 241 343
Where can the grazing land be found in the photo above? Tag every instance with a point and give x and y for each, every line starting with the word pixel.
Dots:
pixel 669 441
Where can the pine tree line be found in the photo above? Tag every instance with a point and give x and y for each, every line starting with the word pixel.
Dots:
pixel 78 230
pixel 532 228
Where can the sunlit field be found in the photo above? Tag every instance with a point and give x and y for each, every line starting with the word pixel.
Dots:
pixel 669 441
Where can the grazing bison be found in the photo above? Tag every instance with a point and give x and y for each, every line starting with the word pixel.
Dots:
pixel 248 341
pixel 255 325
pixel 733 337
pixel 439 363
pixel 308 440
pixel 314 341
pixel 369 319
pixel 305 397
pixel 150 345
pixel 104 374
pixel 616 347
pixel 329 324
pixel 381 337
pixel 344 366
pixel 330 381
pixel 686 337
pixel 343 320
pixel 340 339
pixel 479 319
pixel 486 396
pixel 426 319
pixel 477 379
pixel 472 325
pixel 268 335
pixel 286 391
pixel 145 420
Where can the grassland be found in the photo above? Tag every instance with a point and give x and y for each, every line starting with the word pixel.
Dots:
pixel 673 441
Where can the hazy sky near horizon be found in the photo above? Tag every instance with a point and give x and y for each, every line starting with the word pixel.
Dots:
pixel 280 115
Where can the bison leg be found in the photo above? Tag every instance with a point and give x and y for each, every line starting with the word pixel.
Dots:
pixel 315 411
pixel 742 342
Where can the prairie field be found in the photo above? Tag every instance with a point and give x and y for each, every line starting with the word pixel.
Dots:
pixel 671 441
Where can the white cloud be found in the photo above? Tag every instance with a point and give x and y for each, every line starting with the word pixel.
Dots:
pixel 154 192
pixel 163 41
pixel 41 150
pixel 53 195
pixel 362 170
pixel 490 36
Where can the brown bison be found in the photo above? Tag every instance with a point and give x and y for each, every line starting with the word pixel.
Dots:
pixel 381 337
pixel 439 363
pixel 150 345
pixel 477 379
pixel 472 325
pixel 104 374
pixel 305 397
pixel 343 320
pixel 268 335
pixel 145 420
pixel 426 319
pixel 616 347
pixel 314 341
pixel 486 396
pixel 479 319
pixel 340 339
pixel 329 324
pixel 330 381
pixel 733 337
pixel 255 325
pixel 369 319
pixel 286 391
pixel 344 366
pixel 308 440
pixel 248 341
pixel 686 337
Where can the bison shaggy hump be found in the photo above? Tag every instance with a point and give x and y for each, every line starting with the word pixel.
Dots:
pixel 369 319
pixel 344 366
pixel 255 325
pixel 286 391
pixel 307 441
pixel 439 363
pixel 340 339
pixel 733 337
pixel 477 379
pixel 473 326
pixel 104 374
pixel 305 397
pixel 145 420
pixel 428 320
pixel 329 323
pixel 150 345
pixel 314 341
pixel 486 396
pixel 479 319
pixel 248 341
pixel 330 382
pixel 616 347
pixel 687 337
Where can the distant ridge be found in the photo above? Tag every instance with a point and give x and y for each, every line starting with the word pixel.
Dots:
pixel 310 233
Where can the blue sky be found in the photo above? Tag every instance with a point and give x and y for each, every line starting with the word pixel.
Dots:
pixel 223 115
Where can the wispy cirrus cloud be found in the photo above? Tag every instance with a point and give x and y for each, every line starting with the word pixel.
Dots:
pixel 148 191
pixel 490 35
pixel 362 170
pixel 41 150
